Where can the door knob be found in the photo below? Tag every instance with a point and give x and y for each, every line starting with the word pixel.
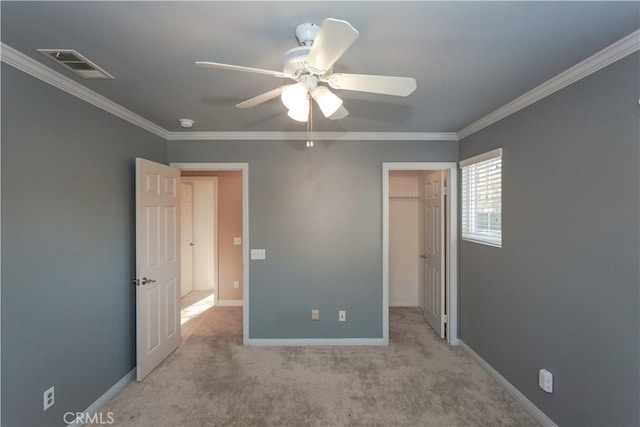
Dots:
pixel 191 244
pixel 143 281
pixel 423 256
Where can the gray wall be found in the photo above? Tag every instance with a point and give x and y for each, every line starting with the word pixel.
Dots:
pixel 563 292
pixel 318 214
pixel 68 228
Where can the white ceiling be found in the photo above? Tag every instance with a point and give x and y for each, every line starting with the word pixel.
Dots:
pixel 468 58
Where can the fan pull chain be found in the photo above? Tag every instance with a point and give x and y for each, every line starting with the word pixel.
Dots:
pixel 310 126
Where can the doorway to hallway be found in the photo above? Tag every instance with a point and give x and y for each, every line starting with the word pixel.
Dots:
pixel 232 234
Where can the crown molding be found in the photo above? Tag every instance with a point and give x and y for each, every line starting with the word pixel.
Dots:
pixel 28 65
pixel 22 62
pixel 316 136
pixel 620 49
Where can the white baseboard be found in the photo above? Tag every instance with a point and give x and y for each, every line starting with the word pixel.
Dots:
pixel 306 342
pixel 509 388
pixel 229 303
pixel 107 396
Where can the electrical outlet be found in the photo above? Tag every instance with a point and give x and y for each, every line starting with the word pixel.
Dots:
pixel 545 380
pixel 258 254
pixel 237 241
pixel 315 314
pixel 236 284
pixel 342 316
pixel 49 398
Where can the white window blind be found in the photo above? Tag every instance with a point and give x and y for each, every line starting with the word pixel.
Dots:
pixel 482 198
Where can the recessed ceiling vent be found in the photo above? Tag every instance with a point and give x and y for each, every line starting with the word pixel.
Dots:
pixel 77 63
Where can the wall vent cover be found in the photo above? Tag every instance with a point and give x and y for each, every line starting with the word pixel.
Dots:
pixel 76 63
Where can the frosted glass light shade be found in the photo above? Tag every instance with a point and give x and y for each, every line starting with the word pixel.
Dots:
pixel 294 96
pixel 300 112
pixel 340 113
pixel 328 102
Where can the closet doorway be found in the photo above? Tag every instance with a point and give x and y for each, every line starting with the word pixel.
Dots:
pixel 420 243
pixel 417 243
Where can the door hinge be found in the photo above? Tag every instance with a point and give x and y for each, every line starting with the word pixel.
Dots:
pixel 445 318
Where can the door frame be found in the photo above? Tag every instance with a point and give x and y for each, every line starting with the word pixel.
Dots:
pixel 451 265
pixel 244 167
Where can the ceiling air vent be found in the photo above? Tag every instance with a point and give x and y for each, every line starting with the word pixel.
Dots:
pixel 77 63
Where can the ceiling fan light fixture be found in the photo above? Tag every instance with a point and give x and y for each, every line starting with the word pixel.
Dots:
pixel 311 63
pixel 300 113
pixel 329 103
pixel 341 113
pixel 295 96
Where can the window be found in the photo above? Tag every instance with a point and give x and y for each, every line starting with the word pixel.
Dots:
pixel 482 198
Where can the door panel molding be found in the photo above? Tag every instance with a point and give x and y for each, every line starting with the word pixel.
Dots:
pixel 433 259
pixel 157 264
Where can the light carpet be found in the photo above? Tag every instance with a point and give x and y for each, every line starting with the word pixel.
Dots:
pixel 213 380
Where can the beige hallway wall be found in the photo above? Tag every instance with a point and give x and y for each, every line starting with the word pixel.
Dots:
pixel 229 227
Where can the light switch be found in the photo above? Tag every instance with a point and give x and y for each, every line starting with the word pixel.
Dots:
pixel 258 254
pixel 237 241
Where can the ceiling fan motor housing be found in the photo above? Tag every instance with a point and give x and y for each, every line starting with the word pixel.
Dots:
pixel 294 60
pixel 306 33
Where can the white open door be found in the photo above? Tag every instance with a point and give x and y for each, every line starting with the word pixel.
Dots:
pixel 157 264
pixel 433 256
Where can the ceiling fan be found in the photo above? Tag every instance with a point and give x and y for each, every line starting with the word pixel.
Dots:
pixel 311 64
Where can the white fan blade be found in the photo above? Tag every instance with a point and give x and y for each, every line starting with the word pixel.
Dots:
pixel 386 85
pixel 241 68
pixel 333 39
pixel 262 98
pixel 340 114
